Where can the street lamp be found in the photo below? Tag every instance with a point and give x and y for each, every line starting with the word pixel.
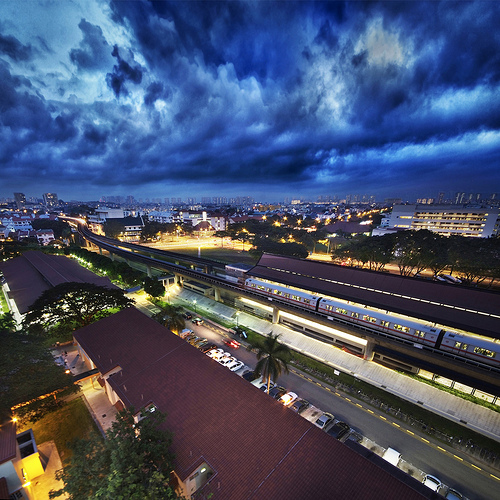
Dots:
pixel 194 302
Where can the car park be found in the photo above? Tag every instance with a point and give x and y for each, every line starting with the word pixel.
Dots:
pixel 299 405
pixel 288 398
pixel 236 365
pixel 432 482
pixel 339 430
pixel 197 321
pixel 231 343
pixel 277 392
pixel 324 420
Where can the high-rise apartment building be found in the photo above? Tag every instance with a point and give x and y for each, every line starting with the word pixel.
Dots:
pixel 50 200
pixel 20 200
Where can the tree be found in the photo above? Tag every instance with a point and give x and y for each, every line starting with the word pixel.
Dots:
pixel 154 287
pixel 74 305
pixel 171 317
pixel 133 462
pixel 27 373
pixel 273 358
pixel 112 228
pixel 7 322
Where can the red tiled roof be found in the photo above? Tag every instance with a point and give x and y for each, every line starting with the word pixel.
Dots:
pixel 34 272
pixel 8 444
pixel 347 227
pixel 257 448
pixel 443 303
pixel 4 489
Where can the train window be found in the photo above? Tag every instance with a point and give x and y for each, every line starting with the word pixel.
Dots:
pixel 484 352
pixel 286 295
pixel 420 334
pixel 458 345
pixel 306 301
pixel 354 315
pixel 464 347
pixel 401 328
pixel 384 323
pixel 270 290
pixel 341 311
pixel 295 297
pixel 369 318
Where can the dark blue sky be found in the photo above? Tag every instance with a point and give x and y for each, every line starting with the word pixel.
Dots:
pixel 271 99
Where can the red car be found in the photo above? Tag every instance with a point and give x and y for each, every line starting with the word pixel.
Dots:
pixel 231 343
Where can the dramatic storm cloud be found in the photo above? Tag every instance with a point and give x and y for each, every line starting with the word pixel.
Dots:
pixel 273 99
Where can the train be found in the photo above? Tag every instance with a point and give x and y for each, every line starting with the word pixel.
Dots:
pixel 461 344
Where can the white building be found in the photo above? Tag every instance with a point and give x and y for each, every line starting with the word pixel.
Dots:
pixel 479 222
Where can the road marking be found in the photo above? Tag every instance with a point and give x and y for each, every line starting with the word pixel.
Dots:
pixel 424 440
pixel 394 423
pixel 317 383
pixel 337 394
pixel 494 477
pixel 476 467
pixel 370 411
pixel 310 379
pixel 442 449
pixel 383 418
pixel 347 399
pixel 458 458
pixel 357 404
pixel 410 432
pixel 328 389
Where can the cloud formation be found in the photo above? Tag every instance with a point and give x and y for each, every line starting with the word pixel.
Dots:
pixel 207 98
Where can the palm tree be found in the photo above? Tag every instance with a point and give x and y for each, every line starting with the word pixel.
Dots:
pixel 171 317
pixel 273 358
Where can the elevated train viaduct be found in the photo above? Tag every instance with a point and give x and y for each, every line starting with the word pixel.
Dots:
pixel 467 309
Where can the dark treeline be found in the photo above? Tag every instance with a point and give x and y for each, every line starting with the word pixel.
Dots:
pixel 473 260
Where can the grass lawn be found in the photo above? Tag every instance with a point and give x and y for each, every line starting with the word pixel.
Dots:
pixel 70 422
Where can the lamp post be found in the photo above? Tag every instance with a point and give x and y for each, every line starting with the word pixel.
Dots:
pixel 194 302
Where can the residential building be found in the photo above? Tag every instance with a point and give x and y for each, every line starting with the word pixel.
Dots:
pixel 479 222
pixel 20 200
pixel 50 200
pixel 229 439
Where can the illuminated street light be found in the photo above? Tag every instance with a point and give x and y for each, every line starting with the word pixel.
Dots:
pixel 194 302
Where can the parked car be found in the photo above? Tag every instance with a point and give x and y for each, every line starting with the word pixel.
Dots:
pixel 207 347
pixel 190 337
pixel 277 392
pixel 249 375
pixel 299 405
pixel 215 352
pixel 262 384
pixel 192 340
pixel 452 494
pixel 184 333
pixel 288 398
pixel 197 321
pixel 231 343
pixel 432 482
pixel 187 315
pixel 226 360
pixel 235 366
pixel 325 420
pixel 339 430
pixel 200 342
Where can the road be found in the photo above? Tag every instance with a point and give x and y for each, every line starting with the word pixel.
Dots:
pixel 445 463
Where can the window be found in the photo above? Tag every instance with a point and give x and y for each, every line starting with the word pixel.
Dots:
pixel 384 323
pixel 340 310
pixel 354 315
pixel 371 319
pixel 401 328
pixel 484 352
pixel 420 334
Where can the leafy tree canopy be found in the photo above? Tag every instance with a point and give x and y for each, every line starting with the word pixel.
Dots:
pixel 28 371
pixel 154 287
pixel 7 322
pixel 74 305
pixel 112 228
pixel 133 462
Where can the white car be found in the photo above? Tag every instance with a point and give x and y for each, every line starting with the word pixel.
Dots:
pixel 432 482
pixel 214 352
pixel 221 355
pixel 324 420
pixel 288 398
pixel 235 365
pixel 226 360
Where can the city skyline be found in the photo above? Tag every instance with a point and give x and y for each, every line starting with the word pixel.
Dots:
pixel 262 99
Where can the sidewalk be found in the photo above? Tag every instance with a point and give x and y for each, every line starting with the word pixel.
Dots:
pixel 476 417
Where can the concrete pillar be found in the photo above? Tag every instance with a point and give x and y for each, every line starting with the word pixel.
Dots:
pixel 368 355
pixel 276 315
pixel 112 255
pixel 150 275
pixel 100 250
pixel 217 294
pixel 177 279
